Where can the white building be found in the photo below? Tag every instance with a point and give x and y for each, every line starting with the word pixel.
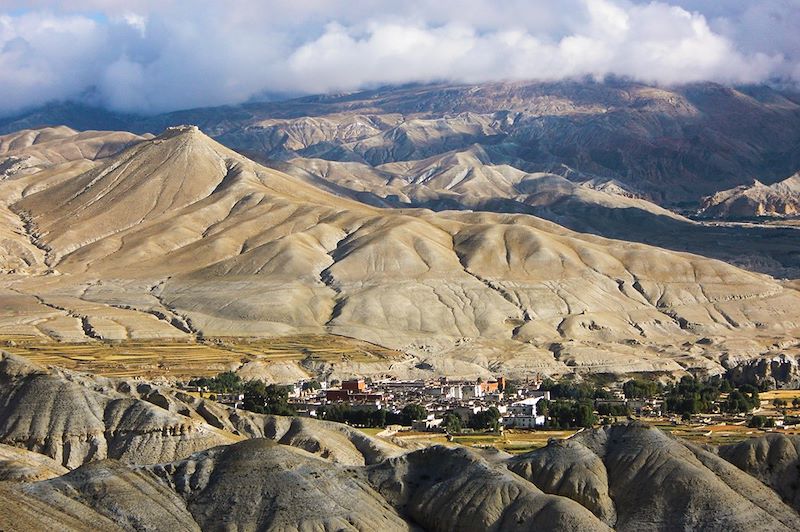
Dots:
pixel 523 414
pixel 428 424
pixel 469 391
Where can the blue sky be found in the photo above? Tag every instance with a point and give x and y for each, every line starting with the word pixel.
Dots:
pixel 153 56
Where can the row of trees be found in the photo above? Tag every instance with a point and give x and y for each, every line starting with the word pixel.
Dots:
pixel 565 389
pixel 344 413
pixel 692 396
pixel 259 397
pixel 642 389
pixel 568 413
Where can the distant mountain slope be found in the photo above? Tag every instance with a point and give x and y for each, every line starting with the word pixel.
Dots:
pixel 470 180
pixel 675 144
pixel 658 146
pixel 781 199
pixel 181 230
pixel 32 160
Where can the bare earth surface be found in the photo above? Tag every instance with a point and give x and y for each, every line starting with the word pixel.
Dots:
pixel 142 456
pixel 177 237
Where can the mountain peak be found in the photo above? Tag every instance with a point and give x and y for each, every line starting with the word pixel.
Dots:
pixel 181 130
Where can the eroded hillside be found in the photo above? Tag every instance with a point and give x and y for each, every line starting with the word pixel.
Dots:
pixel 274 473
pixel 179 236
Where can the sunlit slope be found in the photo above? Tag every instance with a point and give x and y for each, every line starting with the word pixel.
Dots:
pixel 185 226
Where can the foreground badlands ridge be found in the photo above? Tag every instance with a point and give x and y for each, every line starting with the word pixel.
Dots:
pixel 148 457
pixel 177 236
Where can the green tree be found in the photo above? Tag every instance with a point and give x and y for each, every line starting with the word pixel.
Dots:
pixel 584 414
pixel 227 382
pixel 413 412
pixel 263 399
pixel 485 419
pixel 543 407
pixel 568 414
pixel 606 409
pixel 452 423
pixel 640 389
pixel 311 385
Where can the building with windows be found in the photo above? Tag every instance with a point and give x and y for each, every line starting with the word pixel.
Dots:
pixel 524 415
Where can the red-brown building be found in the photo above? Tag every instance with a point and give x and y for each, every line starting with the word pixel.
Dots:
pixel 351 396
pixel 354 385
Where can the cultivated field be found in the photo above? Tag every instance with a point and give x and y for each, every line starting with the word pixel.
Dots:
pixel 720 434
pixel 511 441
pixel 175 359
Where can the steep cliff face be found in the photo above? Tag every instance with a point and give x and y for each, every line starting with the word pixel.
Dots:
pixel 781 371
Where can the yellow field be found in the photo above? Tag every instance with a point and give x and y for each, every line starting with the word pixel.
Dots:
pixel 786 395
pixel 175 359
pixel 511 441
pixel 720 434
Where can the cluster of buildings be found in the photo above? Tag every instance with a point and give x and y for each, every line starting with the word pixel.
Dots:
pixel 438 397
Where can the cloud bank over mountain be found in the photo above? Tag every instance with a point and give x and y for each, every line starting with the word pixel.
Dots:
pixel 147 56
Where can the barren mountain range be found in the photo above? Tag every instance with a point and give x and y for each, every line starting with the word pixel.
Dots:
pixel 669 144
pixel 176 236
pixel 142 456
pixel 604 158
pixel 504 228
pixel 781 199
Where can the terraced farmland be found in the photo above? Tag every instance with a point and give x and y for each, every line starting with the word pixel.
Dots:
pixel 175 359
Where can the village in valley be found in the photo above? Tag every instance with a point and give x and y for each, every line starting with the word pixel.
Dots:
pixel 486 411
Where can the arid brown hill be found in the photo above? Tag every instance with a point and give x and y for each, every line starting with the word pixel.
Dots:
pixel 178 235
pixel 221 470
pixel 75 418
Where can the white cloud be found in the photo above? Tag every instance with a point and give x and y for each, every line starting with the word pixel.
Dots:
pixel 141 55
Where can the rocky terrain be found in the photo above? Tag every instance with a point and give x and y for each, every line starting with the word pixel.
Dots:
pixel 621 477
pixel 28 152
pixel 773 459
pixel 73 418
pixel 177 236
pixel 654 140
pixel 781 199
pixel 605 158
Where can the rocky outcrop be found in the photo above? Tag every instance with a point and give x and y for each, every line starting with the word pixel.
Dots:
pixel 260 485
pixel 477 495
pixel 75 418
pixel 72 423
pixel 636 477
pixel 570 469
pixel 780 200
pixel 774 459
pixel 625 477
pixel 780 371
